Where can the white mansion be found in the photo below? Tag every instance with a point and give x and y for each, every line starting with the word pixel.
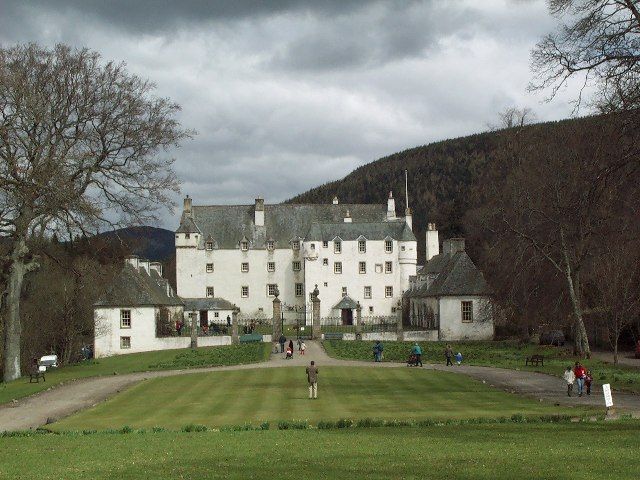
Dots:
pixel 353 253
pixel 234 260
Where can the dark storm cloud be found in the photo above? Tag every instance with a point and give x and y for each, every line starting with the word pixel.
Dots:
pixel 286 95
pixel 144 16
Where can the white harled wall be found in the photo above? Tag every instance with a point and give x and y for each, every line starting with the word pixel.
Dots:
pixel 317 274
pixel 451 325
pixel 227 278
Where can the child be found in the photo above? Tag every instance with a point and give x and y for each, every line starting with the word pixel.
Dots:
pixel 303 347
pixel 458 358
pixel 569 377
pixel 587 381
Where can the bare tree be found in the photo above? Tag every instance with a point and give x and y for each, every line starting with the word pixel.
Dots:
pixel 514 117
pixel 81 145
pixel 599 44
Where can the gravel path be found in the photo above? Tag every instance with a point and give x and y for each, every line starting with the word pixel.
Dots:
pixel 64 400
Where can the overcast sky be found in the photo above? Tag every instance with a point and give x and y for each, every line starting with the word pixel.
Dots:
pixel 286 95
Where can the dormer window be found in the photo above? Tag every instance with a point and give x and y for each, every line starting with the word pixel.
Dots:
pixel 362 246
pixel 388 246
pixel 209 245
pixel 244 245
pixel 295 244
pixel 187 236
pixel 270 245
pixel 337 246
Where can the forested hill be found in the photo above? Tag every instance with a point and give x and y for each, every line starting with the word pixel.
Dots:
pixel 441 177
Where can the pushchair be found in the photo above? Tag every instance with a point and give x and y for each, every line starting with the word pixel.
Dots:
pixel 412 361
pixel 289 354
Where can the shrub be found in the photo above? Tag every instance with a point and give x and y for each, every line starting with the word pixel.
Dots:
pixel 293 425
pixel 344 423
pixel 194 428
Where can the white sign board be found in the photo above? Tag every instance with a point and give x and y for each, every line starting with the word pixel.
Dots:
pixel 608 399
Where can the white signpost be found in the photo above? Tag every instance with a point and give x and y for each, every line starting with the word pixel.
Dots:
pixel 608 399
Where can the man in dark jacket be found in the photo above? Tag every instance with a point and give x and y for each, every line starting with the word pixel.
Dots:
pixel 448 353
pixel 312 378
pixel 282 340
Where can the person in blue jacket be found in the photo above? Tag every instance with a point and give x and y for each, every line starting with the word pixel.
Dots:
pixel 417 351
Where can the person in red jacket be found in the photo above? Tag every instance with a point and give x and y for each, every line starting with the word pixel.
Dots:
pixel 580 374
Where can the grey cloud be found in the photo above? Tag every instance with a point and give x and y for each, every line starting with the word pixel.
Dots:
pixel 145 16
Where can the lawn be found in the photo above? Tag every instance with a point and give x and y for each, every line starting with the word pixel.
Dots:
pixel 494 354
pixel 272 394
pixel 139 362
pixel 488 452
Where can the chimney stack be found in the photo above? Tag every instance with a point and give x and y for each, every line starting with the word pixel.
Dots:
pixel 432 242
pixel 132 260
pixel 335 200
pixel 391 207
pixel 187 206
pixel 157 266
pixel 408 217
pixel 259 212
pixel 144 264
pixel 453 246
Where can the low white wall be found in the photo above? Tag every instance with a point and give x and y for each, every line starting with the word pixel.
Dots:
pixel 421 336
pixel 382 336
pixel 267 338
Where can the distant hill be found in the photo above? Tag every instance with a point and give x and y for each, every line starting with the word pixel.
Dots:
pixel 151 243
pixel 441 177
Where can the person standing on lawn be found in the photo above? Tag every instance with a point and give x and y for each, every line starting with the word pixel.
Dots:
pixel 303 347
pixel 448 353
pixel 417 351
pixel 282 340
pixel 569 377
pixel 588 379
pixel 580 374
pixel 377 351
pixel 312 378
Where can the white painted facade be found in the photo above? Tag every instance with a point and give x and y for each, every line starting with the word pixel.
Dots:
pixel 296 265
pixel 452 326
pixel 331 285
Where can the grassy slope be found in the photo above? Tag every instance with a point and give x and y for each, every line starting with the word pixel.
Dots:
pixel 238 397
pixel 493 354
pixel 542 451
pixel 138 362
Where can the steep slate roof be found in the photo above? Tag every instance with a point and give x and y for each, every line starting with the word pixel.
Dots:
pixel 187 225
pixel 346 302
pixel 457 275
pixel 191 304
pixel 396 229
pixel 228 224
pixel 135 288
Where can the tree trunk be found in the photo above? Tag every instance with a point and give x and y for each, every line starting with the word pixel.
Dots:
pixel 13 327
pixel 581 347
pixel 615 349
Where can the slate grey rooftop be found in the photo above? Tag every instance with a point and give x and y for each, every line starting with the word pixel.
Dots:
pixel 346 302
pixel 228 224
pixel 136 288
pixel 211 303
pixel 395 229
pixel 456 275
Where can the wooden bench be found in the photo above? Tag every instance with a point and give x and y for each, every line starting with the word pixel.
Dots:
pixel 333 336
pixel 535 360
pixel 250 337
pixel 36 375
